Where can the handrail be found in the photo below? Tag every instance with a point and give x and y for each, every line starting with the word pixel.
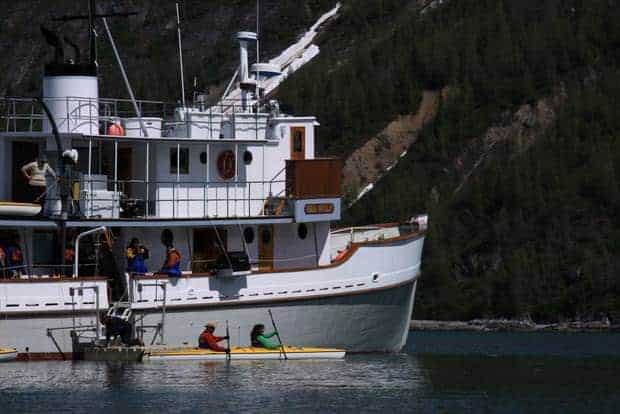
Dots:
pixel 87 115
pixel 77 247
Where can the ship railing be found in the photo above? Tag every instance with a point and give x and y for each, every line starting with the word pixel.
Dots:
pixel 42 271
pixel 226 119
pixel 100 198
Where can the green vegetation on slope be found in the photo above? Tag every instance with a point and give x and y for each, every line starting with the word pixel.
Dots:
pixel 535 228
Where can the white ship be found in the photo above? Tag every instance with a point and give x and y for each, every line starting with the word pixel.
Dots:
pixel 238 185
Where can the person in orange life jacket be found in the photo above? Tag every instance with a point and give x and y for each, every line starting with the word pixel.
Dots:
pixel 172 265
pixel 69 254
pixel 207 340
pixel 136 254
pixel 14 257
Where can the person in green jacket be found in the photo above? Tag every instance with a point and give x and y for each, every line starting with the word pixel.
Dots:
pixel 261 340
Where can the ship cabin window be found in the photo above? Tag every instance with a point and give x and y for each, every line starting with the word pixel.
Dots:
pixel 302 231
pixel 247 158
pixel 44 247
pixel 248 235
pixel 298 143
pixel 266 236
pixel 180 160
pixel 203 157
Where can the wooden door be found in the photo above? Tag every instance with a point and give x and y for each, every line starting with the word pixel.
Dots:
pixel 125 161
pixel 207 247
pixel 298 143
pixel 23 153
pixel 265 247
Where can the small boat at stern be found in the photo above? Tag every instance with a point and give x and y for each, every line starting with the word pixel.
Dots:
pixel 8 354
pixel 245 353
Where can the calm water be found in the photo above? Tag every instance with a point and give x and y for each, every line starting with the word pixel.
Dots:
pixel 445 372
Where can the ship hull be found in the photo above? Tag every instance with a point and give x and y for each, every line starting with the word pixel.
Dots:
pixel 375 321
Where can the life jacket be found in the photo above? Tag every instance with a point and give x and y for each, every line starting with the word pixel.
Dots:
pixel 69 255
pixel 172 265
pixel 135 261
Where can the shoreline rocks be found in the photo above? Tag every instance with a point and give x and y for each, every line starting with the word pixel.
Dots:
pixel 496 325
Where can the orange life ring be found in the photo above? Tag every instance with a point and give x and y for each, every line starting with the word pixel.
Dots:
pixel 226 164
pixel 116 130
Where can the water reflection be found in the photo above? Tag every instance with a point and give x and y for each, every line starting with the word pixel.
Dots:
pixel 455 381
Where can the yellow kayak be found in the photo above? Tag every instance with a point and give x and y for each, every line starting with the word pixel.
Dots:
pixel 244 353
pixel 8 354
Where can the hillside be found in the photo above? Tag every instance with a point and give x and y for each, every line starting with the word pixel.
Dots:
pixel 519 169
pixel 148 41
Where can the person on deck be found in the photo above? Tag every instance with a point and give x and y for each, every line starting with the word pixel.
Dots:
pixel 172 265
pixel 260 339
pixel 15 257
pixel 207 340
pixel 39 174
pixel 136 255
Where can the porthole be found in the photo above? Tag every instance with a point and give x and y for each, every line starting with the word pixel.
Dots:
pixel 266 236
pixel 248 235
pixel 247 158
pixel 203 157
pixel 302 231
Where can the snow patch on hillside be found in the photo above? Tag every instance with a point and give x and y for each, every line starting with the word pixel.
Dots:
pixel 295 56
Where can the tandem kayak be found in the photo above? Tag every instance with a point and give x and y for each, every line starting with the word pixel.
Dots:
pixel 245 353
pixel 8 354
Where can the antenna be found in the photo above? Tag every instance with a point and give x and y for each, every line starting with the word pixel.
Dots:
pixel 257 52
pixel 257 31
pixel 180 56
pixel 91 33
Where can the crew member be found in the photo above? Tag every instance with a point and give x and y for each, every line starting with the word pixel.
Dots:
pixel 38 173
pixel 172 265
pixel 260 339
pixel 117 328
pixel 207 340
pixel 69 254
pixel 136 255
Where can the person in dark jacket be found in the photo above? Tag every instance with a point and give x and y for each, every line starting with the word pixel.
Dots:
pixel 260 339
pixel 207 340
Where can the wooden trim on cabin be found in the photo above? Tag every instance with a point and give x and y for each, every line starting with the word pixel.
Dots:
pixel 352 250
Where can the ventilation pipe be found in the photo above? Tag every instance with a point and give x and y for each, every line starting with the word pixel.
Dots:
pixel 246 84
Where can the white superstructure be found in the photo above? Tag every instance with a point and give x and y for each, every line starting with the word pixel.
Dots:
pixel 234 181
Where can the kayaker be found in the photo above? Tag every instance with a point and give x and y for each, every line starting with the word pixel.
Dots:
pixel 260 339
pixel 207 340
pixel 172 265
pixel 136 254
